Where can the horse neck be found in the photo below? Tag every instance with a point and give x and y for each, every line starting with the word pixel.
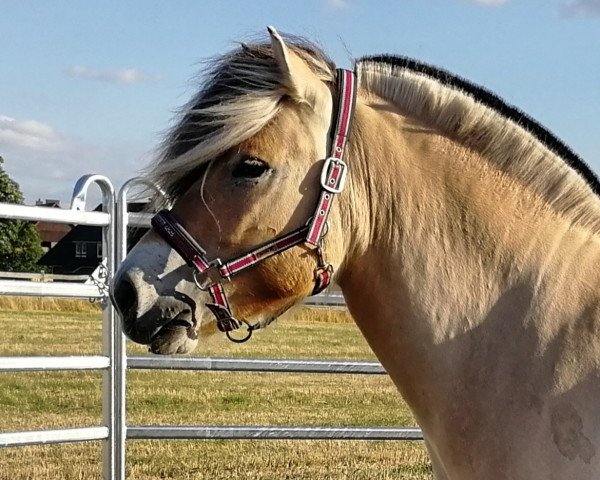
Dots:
pixel 437 237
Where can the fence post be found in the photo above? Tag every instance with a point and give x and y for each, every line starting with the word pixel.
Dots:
pixel 113 344
pixel 119 353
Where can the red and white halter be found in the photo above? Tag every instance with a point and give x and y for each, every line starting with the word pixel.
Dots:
pixel 209 275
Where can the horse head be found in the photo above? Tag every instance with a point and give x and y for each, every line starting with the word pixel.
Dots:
pixel 242 167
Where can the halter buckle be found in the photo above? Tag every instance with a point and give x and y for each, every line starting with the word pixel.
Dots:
pixel 209 277
pixel 323 275
pixel 329 182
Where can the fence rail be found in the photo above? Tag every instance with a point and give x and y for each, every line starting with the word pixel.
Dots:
pixel 55 215
pixel 115 220
pixel 44 437
pixel 243 432
pixel 326 299
pixel 50 289
pixel 43 277
pixel 253 365
pixel 49 364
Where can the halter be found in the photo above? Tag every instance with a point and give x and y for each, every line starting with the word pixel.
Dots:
pixel 209 275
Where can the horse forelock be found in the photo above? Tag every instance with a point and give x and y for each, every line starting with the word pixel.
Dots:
pixel 242 92
pixel 503 134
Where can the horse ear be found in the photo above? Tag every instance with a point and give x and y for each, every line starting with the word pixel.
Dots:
pixel 299 80
pixel 280 51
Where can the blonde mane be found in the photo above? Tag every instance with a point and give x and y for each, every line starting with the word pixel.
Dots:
pixel 477 119
pixel 242 93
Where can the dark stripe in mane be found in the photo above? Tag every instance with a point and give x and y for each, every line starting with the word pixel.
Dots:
pixel 493 101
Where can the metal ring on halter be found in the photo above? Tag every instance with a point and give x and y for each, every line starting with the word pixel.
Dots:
pixel 195 274
pixel 209 277
pixel 251 329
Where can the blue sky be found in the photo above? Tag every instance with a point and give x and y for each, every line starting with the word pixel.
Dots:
pixel 91 86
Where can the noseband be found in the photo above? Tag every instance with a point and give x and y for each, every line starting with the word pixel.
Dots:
pixel 209 275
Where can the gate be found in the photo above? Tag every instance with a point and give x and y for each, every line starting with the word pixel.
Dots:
pixel 115 220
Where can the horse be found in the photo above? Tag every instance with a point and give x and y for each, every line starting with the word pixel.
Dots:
pixel 464 236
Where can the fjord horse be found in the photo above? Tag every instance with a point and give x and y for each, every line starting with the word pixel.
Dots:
pixel 464 235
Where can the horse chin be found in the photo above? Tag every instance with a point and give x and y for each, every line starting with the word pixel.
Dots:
pixel 176 336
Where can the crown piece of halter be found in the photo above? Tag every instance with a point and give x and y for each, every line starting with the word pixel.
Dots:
pixel 209 275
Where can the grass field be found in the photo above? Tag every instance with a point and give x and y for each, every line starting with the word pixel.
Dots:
pixel 62 399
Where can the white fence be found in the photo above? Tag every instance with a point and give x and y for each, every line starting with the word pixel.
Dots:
pixel 114 220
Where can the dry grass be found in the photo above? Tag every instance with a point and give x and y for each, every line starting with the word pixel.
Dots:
pixel 320 314
pixel 44 400
pixel 47 304
pixel 220 460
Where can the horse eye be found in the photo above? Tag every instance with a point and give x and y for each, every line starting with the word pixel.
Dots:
pixel 250 167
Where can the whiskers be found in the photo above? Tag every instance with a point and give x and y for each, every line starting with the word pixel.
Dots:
pixel 214 217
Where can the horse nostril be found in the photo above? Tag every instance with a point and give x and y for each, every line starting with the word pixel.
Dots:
pixel 124 298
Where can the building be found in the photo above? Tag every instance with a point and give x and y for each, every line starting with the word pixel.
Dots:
pixel 79 252
pixel 50 233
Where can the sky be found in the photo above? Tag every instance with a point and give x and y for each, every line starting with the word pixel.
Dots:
pixel 91 87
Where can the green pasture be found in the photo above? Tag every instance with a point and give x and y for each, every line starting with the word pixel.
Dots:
pixel 40 400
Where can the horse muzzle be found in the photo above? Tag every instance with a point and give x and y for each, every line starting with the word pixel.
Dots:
pixel 169 323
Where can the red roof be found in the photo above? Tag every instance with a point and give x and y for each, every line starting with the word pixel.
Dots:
pixel 52 232
pixel 49 231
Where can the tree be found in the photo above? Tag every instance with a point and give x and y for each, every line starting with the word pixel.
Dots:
pixel 20 244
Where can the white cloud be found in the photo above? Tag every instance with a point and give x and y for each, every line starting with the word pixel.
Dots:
pixel 490 3
pixel 586 8
pixel 338 4
pixel 29 134
pixel 46 163
pixel 125 76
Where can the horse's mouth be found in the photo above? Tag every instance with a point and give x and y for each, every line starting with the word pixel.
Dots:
pixel 178 335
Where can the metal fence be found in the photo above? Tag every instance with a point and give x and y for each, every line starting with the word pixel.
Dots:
pixel 115 221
